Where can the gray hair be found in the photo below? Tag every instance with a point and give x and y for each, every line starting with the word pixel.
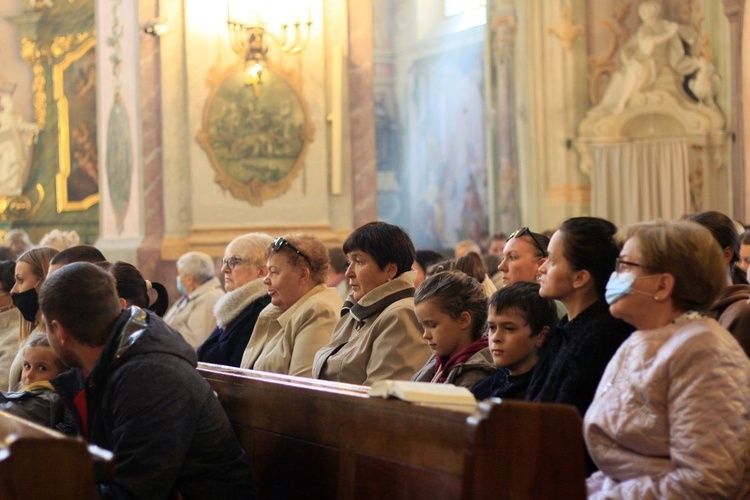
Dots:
pixel 251 247
pixel 199 265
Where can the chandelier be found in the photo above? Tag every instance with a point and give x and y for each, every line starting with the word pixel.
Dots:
pixel 248 40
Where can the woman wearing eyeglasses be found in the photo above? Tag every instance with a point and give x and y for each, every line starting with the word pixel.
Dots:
pixel 302 312
pixel 670 416
pixel 575 353
pixel 523 254
pixel 243 266
pixel 378 336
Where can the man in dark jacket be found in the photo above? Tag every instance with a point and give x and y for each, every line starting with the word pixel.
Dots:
pixel 138 394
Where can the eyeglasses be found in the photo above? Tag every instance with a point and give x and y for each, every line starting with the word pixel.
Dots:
pixel 281 242
pixel 232 262
pixel 525 230
pixel 622 265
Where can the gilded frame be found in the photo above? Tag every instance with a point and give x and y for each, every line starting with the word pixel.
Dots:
pixel 64 203
pixel 255 189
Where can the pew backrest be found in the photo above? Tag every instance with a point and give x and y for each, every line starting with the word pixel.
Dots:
pixel 533 450
pixel 37 462
pixel 315 439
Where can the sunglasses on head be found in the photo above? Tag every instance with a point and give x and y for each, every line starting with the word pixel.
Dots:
pixel 525 230
pixel 282 242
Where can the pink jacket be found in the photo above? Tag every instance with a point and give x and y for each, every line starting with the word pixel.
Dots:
pixel 670 418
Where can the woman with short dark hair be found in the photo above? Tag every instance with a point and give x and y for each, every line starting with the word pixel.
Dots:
pixel 378 336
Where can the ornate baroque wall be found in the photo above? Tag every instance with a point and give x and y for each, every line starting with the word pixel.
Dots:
pixel 55 87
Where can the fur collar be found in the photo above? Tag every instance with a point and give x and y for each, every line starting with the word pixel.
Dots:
pixel 231 304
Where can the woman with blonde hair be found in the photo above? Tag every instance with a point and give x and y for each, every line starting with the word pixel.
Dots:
pixel 303 310
pixel 31 271
pixel 670 415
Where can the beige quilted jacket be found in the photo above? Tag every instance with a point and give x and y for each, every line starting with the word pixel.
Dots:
pixel 670 416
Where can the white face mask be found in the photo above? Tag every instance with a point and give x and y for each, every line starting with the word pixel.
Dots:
pixel 621 285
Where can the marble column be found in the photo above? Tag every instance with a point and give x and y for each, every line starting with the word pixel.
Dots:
pixel 362 113
pixel 149 252
pixel 734 10
pixel 505 213
pixel 120 137
pixel 551 99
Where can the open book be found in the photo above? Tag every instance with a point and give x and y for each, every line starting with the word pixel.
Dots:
pixel 447 396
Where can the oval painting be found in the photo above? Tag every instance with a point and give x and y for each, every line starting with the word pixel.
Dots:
pixel 255 138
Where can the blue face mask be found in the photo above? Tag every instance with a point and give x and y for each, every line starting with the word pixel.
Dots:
pixel 180 287
pixel 621 285
pixel 618 286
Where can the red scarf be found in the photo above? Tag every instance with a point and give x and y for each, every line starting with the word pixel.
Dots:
pixel 444 364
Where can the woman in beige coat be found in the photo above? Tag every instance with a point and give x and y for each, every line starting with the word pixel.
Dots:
pixel 378 336
pixel 193 313
pixel 302 312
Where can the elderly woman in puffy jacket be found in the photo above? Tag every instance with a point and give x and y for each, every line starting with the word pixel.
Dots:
pixel 670 415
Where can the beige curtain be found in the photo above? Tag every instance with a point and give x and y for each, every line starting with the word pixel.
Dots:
pixel 640 180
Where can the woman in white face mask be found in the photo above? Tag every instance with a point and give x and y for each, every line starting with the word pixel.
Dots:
pixel 670 415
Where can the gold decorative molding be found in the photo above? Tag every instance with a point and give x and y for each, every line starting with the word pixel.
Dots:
pixel 214 240
pixel 566 31
pixel 35 55
pixel 32 55
pixel 504 28
pixel 568 193
pixel 63 122
pixel 21 207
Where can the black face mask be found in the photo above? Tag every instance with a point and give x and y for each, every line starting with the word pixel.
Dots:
pixel 28 303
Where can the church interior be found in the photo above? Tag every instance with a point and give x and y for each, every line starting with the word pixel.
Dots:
pixel 155 127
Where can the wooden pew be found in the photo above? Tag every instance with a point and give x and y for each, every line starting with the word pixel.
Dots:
pixel 316 439
pixel 37 462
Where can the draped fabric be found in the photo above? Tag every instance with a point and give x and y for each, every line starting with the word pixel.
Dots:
pixel 641 180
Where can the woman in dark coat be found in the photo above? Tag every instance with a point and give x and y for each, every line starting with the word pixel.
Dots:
pixel 243 266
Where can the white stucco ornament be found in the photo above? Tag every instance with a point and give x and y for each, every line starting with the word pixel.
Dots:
pixel 652 59
pixel 16 139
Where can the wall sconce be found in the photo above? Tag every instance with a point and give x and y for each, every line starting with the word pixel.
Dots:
pixel 248 41
pixel 156 27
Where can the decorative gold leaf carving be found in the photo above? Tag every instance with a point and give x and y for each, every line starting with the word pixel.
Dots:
pixel 566 31
pixel 40 96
